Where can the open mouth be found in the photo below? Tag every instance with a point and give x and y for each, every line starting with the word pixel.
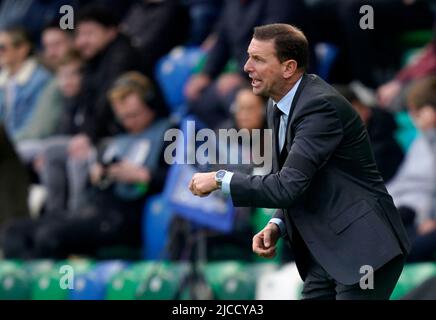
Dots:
pixel 255 82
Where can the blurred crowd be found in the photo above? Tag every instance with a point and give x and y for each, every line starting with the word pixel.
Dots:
pixel 83 113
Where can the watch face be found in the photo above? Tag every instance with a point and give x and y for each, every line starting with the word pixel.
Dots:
pixel 220 174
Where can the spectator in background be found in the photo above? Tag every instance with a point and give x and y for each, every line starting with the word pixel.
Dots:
pixel 119 8
pixel 130 168
pixel 422 102
pixel 107 54
pixel 381 127
pixel 57 121
pixel 211 91
pixel 155 27
pixel 56 44
pixel 248 111
pixel 414 187
pixel 22 80
pixel 392 95
pixel 69 78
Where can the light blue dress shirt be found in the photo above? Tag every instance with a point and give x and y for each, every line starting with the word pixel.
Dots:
pixel 285 106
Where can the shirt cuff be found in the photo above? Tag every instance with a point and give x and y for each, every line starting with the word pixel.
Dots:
pixel 225 184
pixel 280 224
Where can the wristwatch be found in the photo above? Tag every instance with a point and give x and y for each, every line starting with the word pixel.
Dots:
pixel 219 176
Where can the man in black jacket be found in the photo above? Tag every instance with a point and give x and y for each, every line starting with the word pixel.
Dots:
pixel 345 232
pixel 107 54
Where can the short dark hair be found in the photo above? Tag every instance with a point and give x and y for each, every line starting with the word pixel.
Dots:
pixel 289 41
pixel 422 93
pixel 19 35
pixel 55 24
pixel 98 14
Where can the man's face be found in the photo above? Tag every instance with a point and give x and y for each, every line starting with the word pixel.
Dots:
pixel 264 68
pixel 69 78
pixel 92 38
pixel 424 118
pixel 133 114
pixel 56 44
pixel 9 54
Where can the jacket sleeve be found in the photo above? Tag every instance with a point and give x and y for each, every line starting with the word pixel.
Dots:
pixel 318 132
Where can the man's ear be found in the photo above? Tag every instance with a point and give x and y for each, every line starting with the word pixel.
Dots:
pixel 289 68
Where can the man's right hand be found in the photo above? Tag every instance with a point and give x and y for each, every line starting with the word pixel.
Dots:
pixel 264 243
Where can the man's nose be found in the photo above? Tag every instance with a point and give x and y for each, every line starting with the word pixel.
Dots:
pixel 247 67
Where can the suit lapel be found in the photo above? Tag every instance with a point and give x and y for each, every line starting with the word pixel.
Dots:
pixel 277 155
pixel 289 136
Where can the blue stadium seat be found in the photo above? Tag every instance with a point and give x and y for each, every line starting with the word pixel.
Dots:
pixel 47 282
pixel 172 72
pixel 92 284
pixel 326 54
pixel 156 218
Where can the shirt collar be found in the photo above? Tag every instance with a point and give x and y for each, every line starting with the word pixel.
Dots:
pixel 285 103
pixel 23 75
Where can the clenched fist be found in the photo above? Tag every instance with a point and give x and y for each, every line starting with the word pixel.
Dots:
pixel 202 184
pixel 264 243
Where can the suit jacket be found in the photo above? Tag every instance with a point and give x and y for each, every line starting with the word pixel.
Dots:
pixel 327 187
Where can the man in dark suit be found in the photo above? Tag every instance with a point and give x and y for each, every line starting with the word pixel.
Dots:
pixel 333 207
